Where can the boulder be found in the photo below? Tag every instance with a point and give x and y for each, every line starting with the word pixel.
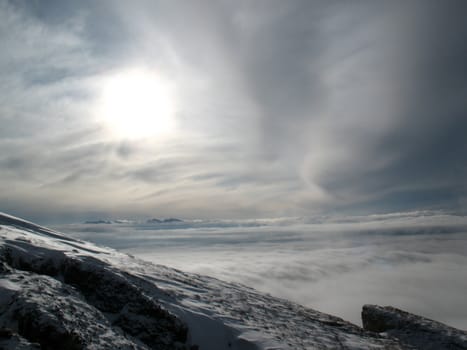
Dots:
pixel 415 331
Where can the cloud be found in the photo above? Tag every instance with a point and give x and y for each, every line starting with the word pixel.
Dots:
pixel 407 162
pixel 282 108
pixel 414 260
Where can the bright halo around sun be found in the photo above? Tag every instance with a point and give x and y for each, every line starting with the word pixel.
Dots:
pixel 137 104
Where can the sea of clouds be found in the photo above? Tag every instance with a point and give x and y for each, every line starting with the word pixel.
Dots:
pixel 415 261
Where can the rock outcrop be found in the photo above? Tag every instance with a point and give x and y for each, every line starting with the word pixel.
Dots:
pixel 66 303
pixel 416 331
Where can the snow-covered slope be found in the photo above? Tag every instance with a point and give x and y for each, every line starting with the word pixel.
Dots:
pixel 64 293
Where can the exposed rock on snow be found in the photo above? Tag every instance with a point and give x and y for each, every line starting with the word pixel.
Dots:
pixel 417 331
pixel 66 302
pixel 64 293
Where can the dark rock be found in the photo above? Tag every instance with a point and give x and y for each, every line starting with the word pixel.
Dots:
pixel 6 333
pixel 12 340
pixel 49 335
pixel 109 291
pixel 153 221
pixel 416 331
pixel 98 222
pixel 163 221
pixel 136 314
pixel 52 314
pixel 171 220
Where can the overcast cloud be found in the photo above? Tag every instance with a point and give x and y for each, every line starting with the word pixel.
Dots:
pixel 282 108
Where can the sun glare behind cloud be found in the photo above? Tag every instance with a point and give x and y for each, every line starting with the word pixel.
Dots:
pixel 137 104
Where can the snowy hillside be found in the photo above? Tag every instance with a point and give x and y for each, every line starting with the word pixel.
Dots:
pixel 61 293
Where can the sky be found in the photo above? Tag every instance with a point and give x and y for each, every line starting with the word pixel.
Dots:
pixel 231 109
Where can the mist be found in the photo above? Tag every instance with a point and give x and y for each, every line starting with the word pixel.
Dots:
pixel 414 261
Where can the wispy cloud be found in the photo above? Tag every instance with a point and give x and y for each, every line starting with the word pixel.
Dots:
pixel 282 108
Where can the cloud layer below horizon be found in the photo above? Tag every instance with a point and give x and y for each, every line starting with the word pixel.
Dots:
pixel 413 261
pixel 282 108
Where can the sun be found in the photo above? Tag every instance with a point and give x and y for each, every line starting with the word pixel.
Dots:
pixel 137 104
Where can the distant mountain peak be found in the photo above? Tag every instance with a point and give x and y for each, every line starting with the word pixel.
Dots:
pixel 98 222
pixel 163 221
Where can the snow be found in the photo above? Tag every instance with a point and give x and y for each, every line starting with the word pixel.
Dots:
pixel 99 298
